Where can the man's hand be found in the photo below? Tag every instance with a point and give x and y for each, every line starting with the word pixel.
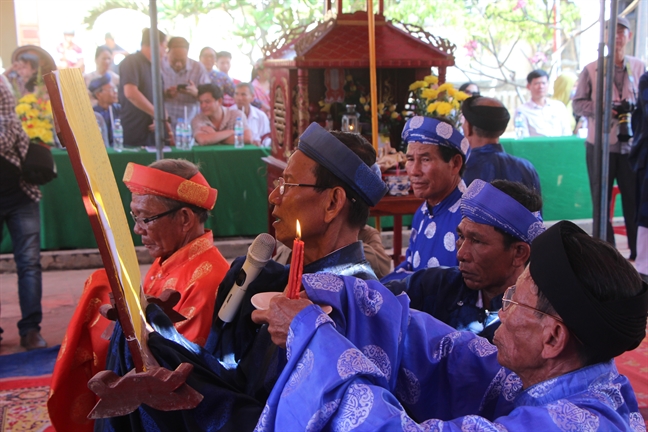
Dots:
pixel 171 92
pixel 191 89
pixel 279 316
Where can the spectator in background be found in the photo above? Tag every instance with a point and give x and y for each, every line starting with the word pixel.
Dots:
pixel 257 121
pixel 215 124
pixel 261 85
pixel 563 91
pixel 181 78
pixel 28 72
pixel 542 116
pixel 627 71
pixel 470 88
pixel 485 121
pixel 136 93
pixel 14 78
pixel 103 61
pixel 639 161
pixel 222 80
pixel 105 94
pixel 70 54
pixel 223 64
pixel 117 52
pixel 20 211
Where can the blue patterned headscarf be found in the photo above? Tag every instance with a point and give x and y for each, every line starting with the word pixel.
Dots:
pixel 332 154
pixel 427 130
pixel 484 204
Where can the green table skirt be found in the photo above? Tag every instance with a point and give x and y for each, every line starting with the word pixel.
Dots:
pixel 560 163
pixel 238 174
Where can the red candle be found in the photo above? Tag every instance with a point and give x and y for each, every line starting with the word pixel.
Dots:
pixel 296 266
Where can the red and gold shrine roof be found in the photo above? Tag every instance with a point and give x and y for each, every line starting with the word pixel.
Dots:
pixel 343 42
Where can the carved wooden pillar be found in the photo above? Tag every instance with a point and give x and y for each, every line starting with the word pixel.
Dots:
pixel 303 116
pixel 442 74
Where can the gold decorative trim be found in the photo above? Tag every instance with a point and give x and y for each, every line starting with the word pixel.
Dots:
pixel 193 193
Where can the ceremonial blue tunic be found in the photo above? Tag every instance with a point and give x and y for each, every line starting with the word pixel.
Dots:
pixel 433 237
pixel 411 372
pixel 442 293
pixel 237 368
pixel 490 162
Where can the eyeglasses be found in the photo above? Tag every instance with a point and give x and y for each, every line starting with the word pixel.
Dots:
pixel 507 300
pixel 281 184
pixel 143 222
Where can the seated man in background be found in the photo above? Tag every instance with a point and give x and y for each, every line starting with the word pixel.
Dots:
pixel 105 93
pixel 173 231
pixel 215 124
pixel 257 121
pixel 578 305
pixel 542 116
pixel 436 159
pixel 500 220
pixel 329 184
pixel 485 121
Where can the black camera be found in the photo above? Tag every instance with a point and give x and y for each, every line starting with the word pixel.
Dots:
pixel 624 111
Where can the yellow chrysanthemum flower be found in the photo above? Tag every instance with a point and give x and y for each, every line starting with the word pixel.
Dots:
pixel 431 79
pixel 461 96
pixel 445 86
pixel 417 85
pixel 429 94
pixel 28 99
pixel 444 108
pixel 363 100
pixel 394 115
pixel 367 107
pixel 381 106
pixel 431 107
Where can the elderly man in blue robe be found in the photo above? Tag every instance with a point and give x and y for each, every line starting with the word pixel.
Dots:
pixel 485 121
pixel 329 184
pixel 436 159
pixel 578 304
pixel 500 220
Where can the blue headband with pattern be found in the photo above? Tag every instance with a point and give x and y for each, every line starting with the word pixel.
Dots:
pixel 484 204
pixel 332 154
pixel 427 130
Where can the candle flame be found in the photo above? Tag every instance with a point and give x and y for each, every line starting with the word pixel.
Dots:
pixel 298 229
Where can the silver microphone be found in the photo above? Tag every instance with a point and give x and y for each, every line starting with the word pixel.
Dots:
pixel 259 253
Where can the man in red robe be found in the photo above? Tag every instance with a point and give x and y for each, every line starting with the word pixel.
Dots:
pixel 170 204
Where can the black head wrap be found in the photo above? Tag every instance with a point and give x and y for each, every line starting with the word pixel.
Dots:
pixel 488 118
pixel 608 328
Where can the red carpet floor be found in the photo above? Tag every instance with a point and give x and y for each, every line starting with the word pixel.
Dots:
pixel 23 404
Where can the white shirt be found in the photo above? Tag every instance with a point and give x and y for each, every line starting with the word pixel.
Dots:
pixel 552 119
pixel 259 124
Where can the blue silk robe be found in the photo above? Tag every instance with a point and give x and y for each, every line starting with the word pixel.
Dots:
pixel 491 162
pixel 414 373
pixel 433 236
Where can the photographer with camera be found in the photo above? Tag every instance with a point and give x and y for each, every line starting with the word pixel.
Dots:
pixel 627 71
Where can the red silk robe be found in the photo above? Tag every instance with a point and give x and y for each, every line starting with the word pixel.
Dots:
pixel 196 270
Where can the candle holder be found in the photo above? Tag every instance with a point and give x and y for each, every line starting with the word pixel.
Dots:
pixel 350 120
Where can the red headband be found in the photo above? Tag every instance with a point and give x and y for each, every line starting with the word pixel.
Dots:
pixel 143 180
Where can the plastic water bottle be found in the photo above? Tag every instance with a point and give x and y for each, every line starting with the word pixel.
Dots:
pixel 118 136
pixel 188 135
pixel 179 134
pixel 519 126
pixel 238 133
